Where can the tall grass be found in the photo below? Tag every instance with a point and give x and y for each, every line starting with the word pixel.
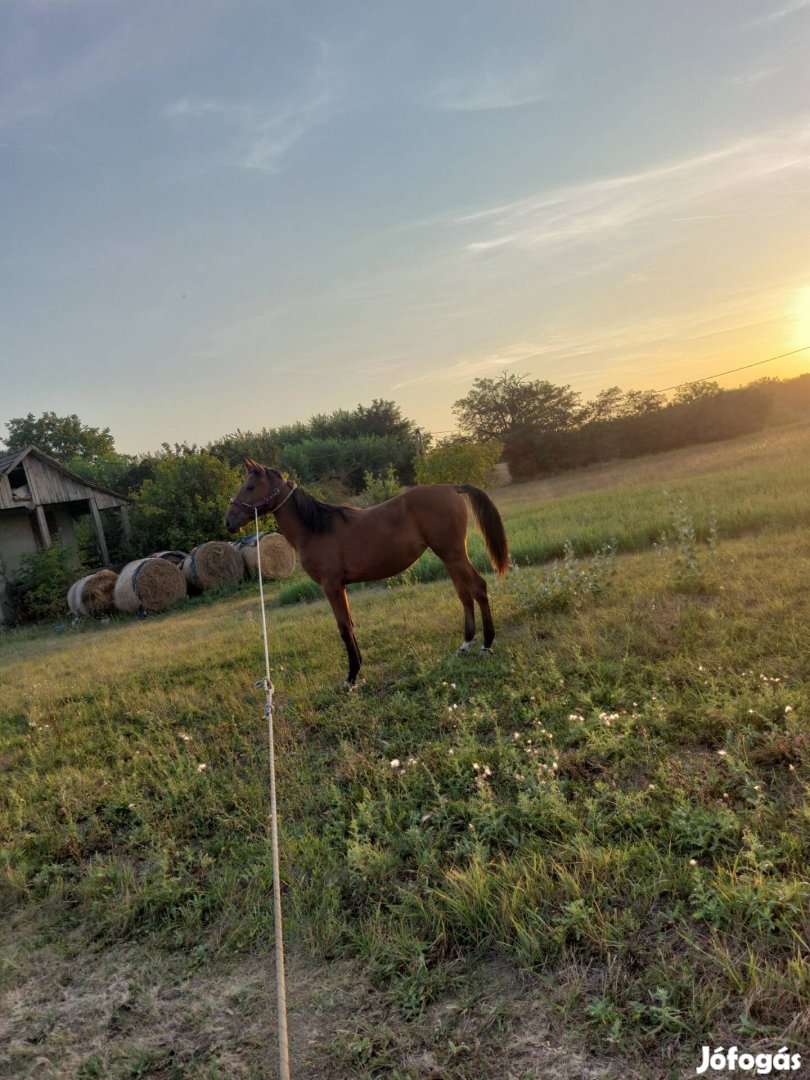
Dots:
pixel 615 802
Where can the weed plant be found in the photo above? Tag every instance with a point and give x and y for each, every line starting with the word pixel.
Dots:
pixel 689 562
pixel 567 583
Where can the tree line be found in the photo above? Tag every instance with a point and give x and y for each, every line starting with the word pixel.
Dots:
pixel 367 453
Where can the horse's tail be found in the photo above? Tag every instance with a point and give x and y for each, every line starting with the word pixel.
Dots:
pixel 490 523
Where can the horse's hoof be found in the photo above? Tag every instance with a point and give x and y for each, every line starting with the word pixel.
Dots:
pixel 485 651
pixel 464 648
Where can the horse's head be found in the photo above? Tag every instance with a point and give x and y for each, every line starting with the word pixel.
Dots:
pixel 263 488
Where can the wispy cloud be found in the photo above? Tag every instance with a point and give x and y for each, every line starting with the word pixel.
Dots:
pixel 590 212
pixel 263 135
pixel 792 7
pixel 753 78
pixel 637 348
pixel 491 90
pixel 462 371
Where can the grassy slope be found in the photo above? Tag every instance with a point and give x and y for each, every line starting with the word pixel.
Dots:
pixel 654 887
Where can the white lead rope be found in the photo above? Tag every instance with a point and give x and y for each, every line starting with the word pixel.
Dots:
pixel 281 990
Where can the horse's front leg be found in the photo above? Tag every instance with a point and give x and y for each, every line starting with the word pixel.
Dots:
pixel 336 595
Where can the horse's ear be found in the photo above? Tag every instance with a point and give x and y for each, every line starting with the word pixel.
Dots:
pixel 250 464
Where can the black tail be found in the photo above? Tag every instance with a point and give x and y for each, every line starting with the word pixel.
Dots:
pixel 490 523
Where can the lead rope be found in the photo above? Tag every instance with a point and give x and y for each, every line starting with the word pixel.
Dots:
pixel 281 991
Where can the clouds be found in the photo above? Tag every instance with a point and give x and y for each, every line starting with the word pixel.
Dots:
pixel 492 91
pixel 792 7
pixel 259 137
pixel 605 209
pixel 55 55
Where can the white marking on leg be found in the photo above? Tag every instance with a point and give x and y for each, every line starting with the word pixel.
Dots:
pixel 485 649
pixel 465 647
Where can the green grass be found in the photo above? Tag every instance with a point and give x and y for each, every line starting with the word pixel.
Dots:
pixel 616 802
pixel 730 487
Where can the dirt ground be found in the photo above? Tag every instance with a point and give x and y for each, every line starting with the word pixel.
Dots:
pixel 133 1011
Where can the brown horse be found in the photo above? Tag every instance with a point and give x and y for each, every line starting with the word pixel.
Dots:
pixel 338 545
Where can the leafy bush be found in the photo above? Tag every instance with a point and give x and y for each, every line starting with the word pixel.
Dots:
pixel 184 505
pixel 341 446
pixel 348 460
pixel 39 588
pixel 379 488
pixel 458 461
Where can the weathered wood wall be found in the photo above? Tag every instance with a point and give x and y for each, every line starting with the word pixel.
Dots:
pixel 49 485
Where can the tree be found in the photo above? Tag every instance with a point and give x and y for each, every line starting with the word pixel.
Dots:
pixel 184 504
pixel 494 408
pixel 638 402
pixel 607 405
pixel 685 395
pixel 459 461
pixel 338 448
pixel 63 437
pixel 615 404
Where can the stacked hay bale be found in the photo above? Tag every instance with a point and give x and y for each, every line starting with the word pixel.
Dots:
pixel 211 564
pixel 93 596
pixel 149 585
pixel 176 557
pixel 277 556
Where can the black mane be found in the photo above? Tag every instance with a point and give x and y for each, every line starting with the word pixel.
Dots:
pixel 317 516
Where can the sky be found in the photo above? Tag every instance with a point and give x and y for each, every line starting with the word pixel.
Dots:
pixel 220 215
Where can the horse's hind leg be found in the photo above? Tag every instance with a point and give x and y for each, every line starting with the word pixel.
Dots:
pixel 481 595
pixel 340 606
pixel 461 575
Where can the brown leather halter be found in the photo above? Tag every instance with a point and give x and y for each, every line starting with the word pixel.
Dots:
pixel 265 506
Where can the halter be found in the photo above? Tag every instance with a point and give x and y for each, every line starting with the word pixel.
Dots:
pixel 266 504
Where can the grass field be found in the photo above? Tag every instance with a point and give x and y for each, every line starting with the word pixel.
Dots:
pixel 591 859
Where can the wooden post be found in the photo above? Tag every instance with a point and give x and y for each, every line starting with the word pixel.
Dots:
pixel 43 526
pixel 102 543
pixel 125 523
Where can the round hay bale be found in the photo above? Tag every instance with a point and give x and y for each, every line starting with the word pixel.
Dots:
pixel 149 585
pixel 92 596
pixel 72 598
pixel 176 557
pixel 213 563
pixel 277 556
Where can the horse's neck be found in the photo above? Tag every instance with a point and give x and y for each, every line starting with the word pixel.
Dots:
pixel 291 527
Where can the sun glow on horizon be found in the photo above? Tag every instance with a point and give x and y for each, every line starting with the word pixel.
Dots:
pixel 800 319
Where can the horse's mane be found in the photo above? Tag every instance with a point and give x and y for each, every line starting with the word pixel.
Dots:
pixel 317 516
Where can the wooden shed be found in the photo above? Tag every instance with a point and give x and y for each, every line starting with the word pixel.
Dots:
pixel 39 500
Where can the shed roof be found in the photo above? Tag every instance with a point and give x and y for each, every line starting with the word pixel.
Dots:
pixel 10 459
